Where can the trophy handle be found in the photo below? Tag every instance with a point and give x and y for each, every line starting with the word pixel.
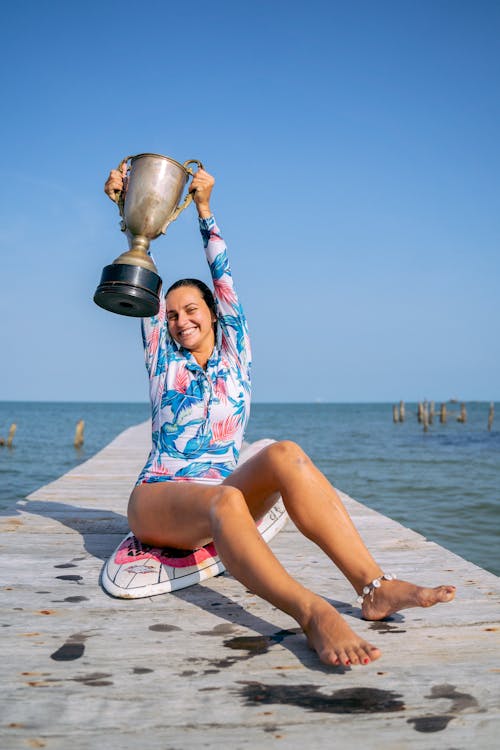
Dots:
pixel 192 161
pixel 119 195
pixel 189 197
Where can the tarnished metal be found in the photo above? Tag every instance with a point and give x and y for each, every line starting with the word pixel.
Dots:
pixel 150 200
pixel 154 186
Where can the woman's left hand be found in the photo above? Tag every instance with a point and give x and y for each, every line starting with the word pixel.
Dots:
pixel 201 187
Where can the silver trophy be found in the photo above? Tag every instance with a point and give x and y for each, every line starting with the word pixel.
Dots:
pixel 149 202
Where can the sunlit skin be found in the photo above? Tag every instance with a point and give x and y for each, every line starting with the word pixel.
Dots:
pixel 187 515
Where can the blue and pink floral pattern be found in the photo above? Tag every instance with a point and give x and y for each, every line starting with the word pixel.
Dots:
pixel 199 415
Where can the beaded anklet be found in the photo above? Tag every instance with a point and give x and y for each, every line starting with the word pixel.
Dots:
pixel 369 589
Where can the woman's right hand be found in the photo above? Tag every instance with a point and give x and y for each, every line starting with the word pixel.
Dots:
pixel 201 189
pixel 115 183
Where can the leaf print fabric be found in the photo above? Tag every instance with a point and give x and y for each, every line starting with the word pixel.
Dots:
pixel 199 416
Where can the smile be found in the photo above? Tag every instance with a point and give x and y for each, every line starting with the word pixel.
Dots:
pixel 188 331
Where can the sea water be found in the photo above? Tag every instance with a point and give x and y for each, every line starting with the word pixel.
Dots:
pixel 443 483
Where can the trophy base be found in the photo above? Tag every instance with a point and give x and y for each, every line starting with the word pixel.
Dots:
pixel 129 290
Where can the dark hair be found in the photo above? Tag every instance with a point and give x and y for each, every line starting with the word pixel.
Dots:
pixel 205 292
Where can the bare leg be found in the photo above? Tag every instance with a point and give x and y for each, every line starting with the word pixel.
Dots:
pixel 184 515
pixel 316 509
pixel 187 515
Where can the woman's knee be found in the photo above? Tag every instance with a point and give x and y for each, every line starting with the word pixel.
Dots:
pixel 287 453
pixel 227 501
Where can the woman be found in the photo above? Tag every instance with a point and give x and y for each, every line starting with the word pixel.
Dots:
pixel 190 490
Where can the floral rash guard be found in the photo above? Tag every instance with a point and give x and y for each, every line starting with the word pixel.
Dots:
pixel 199 416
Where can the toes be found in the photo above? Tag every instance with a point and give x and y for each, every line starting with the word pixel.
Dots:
pixel 356 655
pixel 352 655
pixel 343 658
pixel 330 657
pixel 371 653
pixel 446 593
pixel 437 595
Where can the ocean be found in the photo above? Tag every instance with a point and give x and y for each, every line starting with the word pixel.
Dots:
pixel 443 483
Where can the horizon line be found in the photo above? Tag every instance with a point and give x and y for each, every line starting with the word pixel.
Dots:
pixel 315 402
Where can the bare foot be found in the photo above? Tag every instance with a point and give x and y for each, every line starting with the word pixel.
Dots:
pixel 333 640
pixel 395 595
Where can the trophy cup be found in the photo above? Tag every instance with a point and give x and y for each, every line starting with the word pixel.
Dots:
pixel 148 203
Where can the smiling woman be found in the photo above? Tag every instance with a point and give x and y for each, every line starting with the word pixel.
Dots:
pixel 199 387
pixel 192 317
pixel 192 489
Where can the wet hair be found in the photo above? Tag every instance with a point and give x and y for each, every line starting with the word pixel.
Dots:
pixel 205 292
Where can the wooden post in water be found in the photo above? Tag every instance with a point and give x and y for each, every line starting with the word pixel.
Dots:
pixel 420 412
pixel 463 414
pixel 432 410
pixel 491 415
pixel 442 414
pixel 79 434
pixel 10 437
pixel 395 414
pixel 425 416
pixel 401 411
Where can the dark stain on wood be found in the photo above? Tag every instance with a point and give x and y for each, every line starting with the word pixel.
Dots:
pixel 95 679
pixel 438 722
pixel 224 663
pixel 382 626
pixel 223 629
pixel 69 652
pixel 163 628
pixel 72 649
pixel 460 701
pixel 259 644
pixel 431 723
pixel 357 700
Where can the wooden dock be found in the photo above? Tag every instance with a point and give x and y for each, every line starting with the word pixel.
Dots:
pixel 213 665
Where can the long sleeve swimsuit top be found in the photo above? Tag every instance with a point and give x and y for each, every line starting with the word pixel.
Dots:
pixel 199 415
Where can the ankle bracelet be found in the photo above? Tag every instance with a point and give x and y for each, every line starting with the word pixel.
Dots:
pixel 369 589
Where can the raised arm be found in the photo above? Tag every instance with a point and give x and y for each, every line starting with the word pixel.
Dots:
pixel 153 328
pixel 232 320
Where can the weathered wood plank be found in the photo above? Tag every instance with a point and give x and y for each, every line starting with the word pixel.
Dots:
pixel 211 664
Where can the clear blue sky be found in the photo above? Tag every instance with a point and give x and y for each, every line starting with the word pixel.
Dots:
pixel 356 151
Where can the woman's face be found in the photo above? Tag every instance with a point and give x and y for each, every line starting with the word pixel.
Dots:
pixel 190 320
